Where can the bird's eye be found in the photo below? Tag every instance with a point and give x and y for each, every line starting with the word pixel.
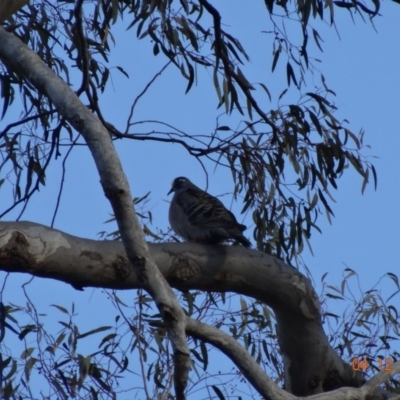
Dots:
pixel 180 181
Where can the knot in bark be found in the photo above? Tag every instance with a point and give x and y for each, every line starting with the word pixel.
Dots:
pixel 183 268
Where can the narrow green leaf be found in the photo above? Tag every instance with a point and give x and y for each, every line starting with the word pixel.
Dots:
pixel 243 80
pixel 185 6
pixel 218 392
pixel 27 352
pixel 12 371
pixel 114 11
pixel 266 90
pixel 394 278
pixel 191 76
pixel 216 85
pixel 270 5
pixel 317 39
pixel 249 108
pixel 365 181
pixel 226 95
pixel 321 196
pixel 375 176
pixel 28 367
pixel 282 94
pixel 92 332
pixel 315 122
pixel 62 309
pixel 27 329
pixel 5 92
pixel 290 74
pixel 276 57
pixel 204 354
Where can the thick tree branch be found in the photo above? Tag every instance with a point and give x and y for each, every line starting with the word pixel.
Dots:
pixel 18 57
pixel 381 378
pixel 312 366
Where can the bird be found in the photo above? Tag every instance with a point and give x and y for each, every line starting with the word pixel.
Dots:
pixel 199 217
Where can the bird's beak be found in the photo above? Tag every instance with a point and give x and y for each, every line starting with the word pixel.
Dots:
pixel 172 190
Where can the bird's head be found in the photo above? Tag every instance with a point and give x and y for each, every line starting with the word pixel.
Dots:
pixel 180 184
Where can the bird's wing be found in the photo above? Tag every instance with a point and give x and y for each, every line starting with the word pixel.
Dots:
pixel 205 210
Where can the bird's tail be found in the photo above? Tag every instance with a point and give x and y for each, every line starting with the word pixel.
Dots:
pixel 242 227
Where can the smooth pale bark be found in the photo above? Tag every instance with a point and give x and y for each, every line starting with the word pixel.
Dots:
pixel 18 57
pixel 312 366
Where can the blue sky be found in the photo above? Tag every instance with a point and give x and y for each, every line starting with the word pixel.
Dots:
pixel 359 63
